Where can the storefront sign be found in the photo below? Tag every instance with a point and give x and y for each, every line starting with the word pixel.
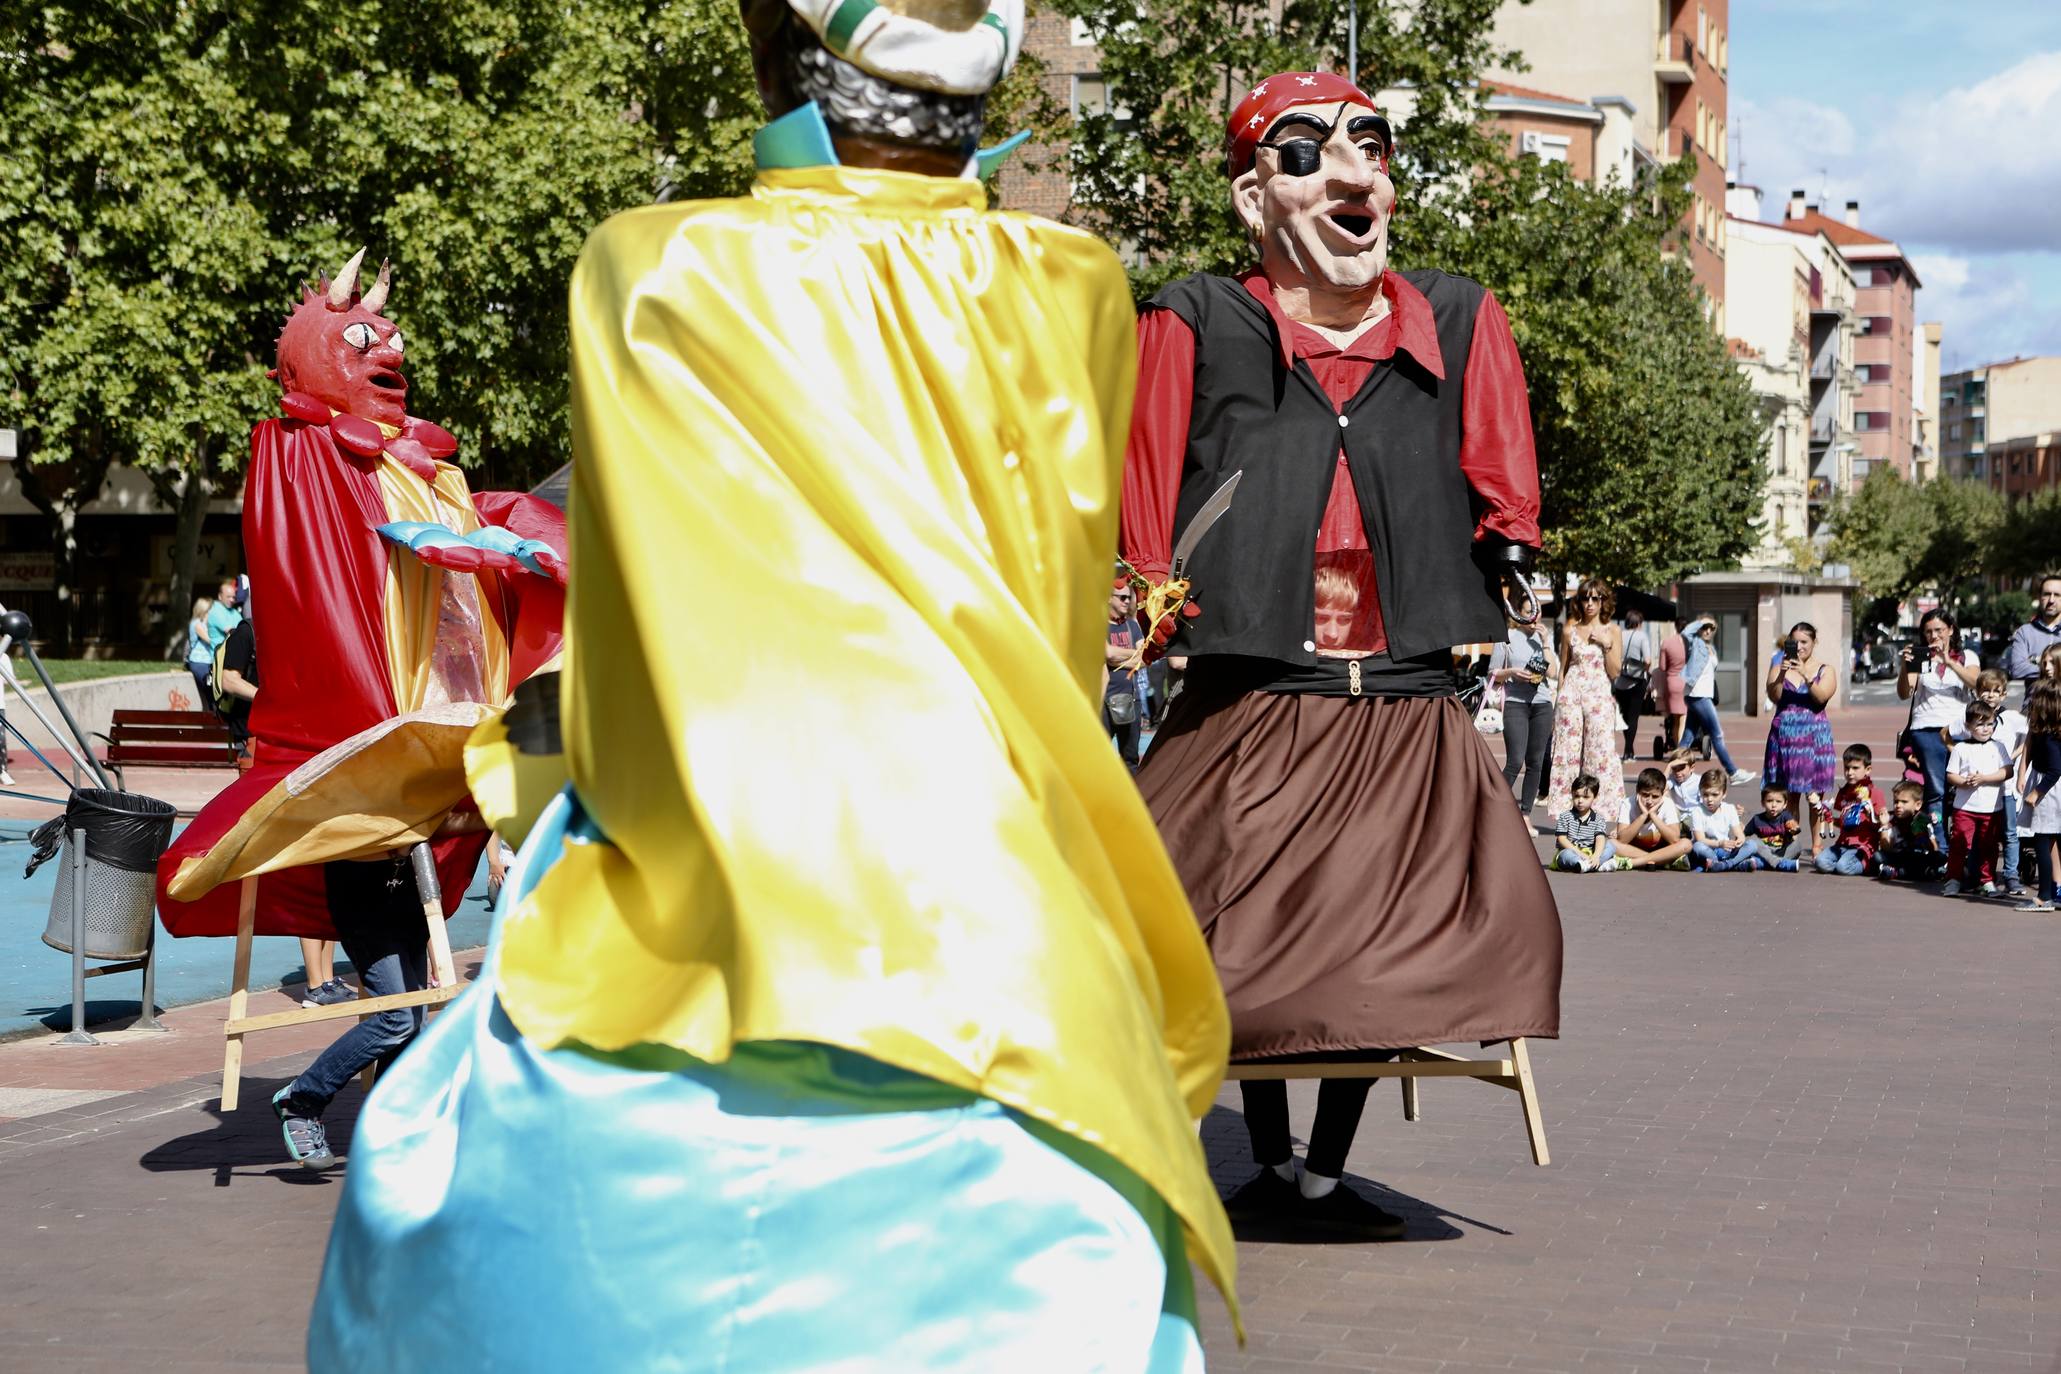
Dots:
pixel 28 572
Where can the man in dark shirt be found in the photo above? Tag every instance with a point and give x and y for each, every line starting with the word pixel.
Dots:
pixel 237 686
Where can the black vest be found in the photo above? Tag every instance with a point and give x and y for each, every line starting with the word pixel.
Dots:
pixel 1253 573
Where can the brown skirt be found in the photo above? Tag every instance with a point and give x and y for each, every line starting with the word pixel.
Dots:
pixel 1359 868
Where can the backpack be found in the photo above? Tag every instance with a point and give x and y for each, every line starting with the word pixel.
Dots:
pixel 220 698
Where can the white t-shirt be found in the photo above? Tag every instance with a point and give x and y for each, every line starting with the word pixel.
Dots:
pixel 1986 757
pixel 1712 827
pixel 2010 732
pixel 1668 813
pixel 1940 700
pixel 1686 795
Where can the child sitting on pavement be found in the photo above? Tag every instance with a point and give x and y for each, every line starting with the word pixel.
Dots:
pixel 1776 827
pixel 1720 843
pixel 1990 687
pixel 1860 810
pixel 1649 827
pixel 1581 842
pixel 1912 850
pixel 1976 770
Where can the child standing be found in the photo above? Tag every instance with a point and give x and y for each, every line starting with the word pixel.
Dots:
pixel 1860 810
pixel 1976 769
pixel 1913 850
pixel 1649 827
pixel 1990 687
pixel 2041 788
pixel 1777 828
pixel 1719 843
pixel 1582 840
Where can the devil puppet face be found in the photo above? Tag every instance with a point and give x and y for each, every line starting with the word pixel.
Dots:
pixel 339 349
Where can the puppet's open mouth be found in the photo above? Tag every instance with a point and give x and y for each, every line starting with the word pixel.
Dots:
pixel 1359 226
pixel 389 381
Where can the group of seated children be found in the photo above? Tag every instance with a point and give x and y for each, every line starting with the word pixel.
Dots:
pixel 1654 830
pixel 1679 819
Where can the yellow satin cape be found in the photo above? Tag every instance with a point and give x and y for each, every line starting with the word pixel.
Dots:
pixel 843 506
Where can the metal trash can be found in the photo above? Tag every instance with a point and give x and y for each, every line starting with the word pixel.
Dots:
pixel 125 834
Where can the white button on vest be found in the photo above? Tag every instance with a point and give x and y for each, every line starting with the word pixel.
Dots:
pixel 1341 422
pixel 1309 646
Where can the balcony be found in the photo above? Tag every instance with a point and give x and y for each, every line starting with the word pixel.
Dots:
pixel 1674 63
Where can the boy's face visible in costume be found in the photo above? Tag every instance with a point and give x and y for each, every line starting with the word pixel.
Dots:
pixel 1320 214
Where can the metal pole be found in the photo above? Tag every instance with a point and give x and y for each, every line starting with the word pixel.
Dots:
pixel 1352 40
pixel 148 1020
pixel 85 744
pixel 75 856
pixel 7 674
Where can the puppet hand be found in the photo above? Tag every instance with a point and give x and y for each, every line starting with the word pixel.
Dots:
pixel 1165 605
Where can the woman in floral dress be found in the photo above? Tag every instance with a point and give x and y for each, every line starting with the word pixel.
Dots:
pixel 1585 721
pixel 1801 758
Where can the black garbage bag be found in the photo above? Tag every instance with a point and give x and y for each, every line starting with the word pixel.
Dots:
pixel 124 830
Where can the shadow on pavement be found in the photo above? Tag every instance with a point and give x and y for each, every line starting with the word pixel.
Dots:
pixel 103 1015
pixel 249 1143
pixel 1223 1140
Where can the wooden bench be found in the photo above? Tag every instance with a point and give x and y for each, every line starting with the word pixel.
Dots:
pixel 169 739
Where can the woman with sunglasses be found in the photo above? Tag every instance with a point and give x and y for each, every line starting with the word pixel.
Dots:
pixel 1585 716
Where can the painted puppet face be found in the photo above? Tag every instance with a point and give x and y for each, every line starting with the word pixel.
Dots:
pixel 348 359
pixel 1318 198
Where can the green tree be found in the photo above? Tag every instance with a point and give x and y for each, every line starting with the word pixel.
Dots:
pixel 1900 539
pixel 171 171
pixel 2027 542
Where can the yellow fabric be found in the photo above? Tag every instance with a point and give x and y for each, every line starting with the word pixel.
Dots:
pixel 414 589
pixel 843 512
pixel 509 787
pixel 383 789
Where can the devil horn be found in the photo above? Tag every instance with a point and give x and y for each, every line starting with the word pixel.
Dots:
pixel 346 282
pixel 376 297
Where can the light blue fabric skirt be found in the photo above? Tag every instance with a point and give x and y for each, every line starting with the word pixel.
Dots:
pixel 798 1208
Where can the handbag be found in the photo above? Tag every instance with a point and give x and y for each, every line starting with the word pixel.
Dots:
pixel 1122 706
pixel 1488 717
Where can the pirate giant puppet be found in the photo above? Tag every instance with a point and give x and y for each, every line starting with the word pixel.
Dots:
pixel 844 1010
pixel 1347 450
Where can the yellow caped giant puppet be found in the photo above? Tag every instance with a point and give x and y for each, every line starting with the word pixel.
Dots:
pixel 845 1011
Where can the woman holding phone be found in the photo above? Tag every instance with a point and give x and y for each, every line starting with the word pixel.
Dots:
pixel 1939 682
pixel 1801 757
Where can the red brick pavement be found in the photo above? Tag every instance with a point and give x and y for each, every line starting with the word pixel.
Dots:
pixel 1798 1123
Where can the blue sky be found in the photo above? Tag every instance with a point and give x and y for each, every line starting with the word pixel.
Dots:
pixel 1944 121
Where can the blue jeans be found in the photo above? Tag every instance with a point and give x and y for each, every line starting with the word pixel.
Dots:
pixel 380 924
pixel 1703 720
pixel 1842 859
pixel 1932 762
pixel 1567 861
pixel 1748 856
pixel 202 678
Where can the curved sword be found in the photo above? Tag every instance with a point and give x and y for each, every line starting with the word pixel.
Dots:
pixel 1211 512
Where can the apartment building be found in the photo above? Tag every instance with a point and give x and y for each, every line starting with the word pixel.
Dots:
pixel 1886 288
pixel 1036 179
pixel 2024 465
pixel 1925 429
pixel 1597 139
pixel 1771 285
pixel 1983 407
pixel 1666 61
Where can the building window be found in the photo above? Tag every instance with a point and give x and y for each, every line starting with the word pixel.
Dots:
pixel 1544 147
pixel 1091 97
pixel 1872 325
pixel 1870 421
pixel 1077 33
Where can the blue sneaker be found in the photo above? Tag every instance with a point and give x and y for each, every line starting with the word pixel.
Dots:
pixel 306 1141
pixel 1785 865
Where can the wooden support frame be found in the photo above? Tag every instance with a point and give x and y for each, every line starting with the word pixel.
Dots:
pixel 443 974
pixel 1409 1065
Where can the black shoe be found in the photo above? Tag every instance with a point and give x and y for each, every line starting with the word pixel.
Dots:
pixel 1265 1196
pixel 1347 1213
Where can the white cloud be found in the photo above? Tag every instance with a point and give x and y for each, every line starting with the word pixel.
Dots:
pixel 1976 169
pixel 1988 307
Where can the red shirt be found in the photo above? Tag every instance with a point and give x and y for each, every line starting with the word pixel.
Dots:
pixel 1495 452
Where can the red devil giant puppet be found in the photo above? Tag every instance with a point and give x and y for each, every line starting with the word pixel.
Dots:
pixel 391 608
pixel 1349 846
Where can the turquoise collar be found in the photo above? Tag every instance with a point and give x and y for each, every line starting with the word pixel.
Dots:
pixel 800 138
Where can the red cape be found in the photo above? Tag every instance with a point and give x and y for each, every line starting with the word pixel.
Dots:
pixel 318 566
